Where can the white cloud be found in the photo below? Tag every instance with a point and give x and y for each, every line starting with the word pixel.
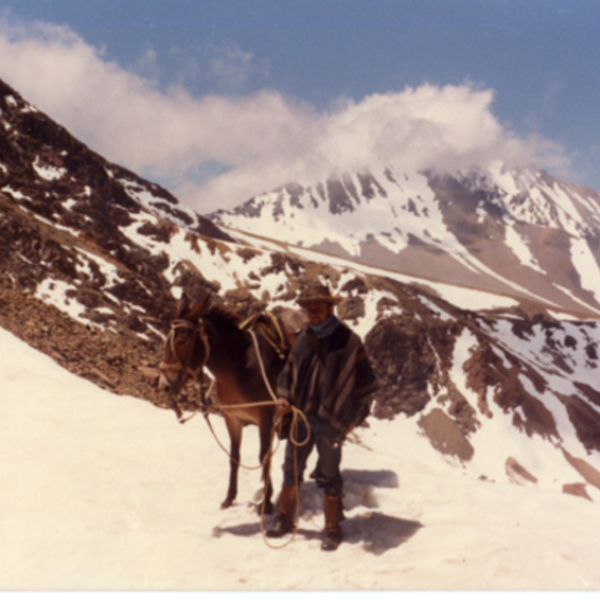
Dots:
pixel 264 139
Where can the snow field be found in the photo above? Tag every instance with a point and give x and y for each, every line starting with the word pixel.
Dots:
pixel 110 493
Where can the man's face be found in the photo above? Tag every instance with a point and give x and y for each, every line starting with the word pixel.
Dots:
pixel 318 311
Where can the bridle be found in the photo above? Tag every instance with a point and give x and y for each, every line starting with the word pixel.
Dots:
pixel 198 333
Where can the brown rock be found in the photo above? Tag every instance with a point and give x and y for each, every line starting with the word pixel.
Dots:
pixel 517 473
pixel 576 489
pixel 445 436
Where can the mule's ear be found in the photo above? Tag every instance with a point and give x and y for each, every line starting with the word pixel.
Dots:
pixel 182 307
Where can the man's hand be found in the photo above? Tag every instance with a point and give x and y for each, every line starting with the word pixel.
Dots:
pixel 283 408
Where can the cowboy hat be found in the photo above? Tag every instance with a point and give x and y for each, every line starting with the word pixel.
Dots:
pixel 317 292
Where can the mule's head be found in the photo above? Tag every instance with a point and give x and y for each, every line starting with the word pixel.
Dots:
pixel 186 348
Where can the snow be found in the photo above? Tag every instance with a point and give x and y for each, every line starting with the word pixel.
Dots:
pixel 69 203
pixel 472 299
pixel 520 247
pixel 576 299
pixel 102 492
pixel 405 208
pixel 565 202
pixel 16 194
pixel 48 172
pixel 55 292
pixel 504 178
pixel 108 270
pixel 535 352
pixel 369 219
pixel 585 264
pixel 147 198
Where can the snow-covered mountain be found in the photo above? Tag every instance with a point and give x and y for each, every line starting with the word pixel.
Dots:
pixel 517 232
pixel 498 379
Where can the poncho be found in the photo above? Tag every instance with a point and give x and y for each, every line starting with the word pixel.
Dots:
pixel 331 378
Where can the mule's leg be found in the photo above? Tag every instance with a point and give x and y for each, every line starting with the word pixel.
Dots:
pixel 234 427
pixel 265 432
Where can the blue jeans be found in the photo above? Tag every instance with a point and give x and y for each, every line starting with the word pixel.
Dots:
pixel 328 475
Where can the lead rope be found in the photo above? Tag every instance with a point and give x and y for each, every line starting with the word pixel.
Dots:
pixel 297 414
pixel 294 428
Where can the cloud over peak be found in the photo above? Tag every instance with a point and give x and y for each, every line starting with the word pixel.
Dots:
pixel 219 150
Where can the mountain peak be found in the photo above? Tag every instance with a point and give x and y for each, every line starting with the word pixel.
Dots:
pixel 518 231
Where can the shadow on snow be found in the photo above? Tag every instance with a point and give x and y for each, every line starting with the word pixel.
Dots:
pixel 377 531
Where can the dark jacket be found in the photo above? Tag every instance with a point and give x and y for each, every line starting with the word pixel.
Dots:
pixel 331 378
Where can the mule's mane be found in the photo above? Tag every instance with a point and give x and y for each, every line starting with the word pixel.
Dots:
pixel 220 313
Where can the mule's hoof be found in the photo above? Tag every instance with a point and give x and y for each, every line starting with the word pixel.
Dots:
pixel 227 503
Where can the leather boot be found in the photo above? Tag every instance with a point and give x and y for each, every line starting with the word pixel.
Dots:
pixel 284 521
pixel 332 507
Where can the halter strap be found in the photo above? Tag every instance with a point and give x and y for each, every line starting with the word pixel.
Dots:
pixel 196 329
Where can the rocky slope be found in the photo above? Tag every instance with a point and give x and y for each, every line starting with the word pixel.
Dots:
pixel 93 258
pixel 63 213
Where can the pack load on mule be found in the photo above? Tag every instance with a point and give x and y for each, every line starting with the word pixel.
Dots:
pixel 244 359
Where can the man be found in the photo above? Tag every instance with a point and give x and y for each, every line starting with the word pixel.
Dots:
pixel 329 378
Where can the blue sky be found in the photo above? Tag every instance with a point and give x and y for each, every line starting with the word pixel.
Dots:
pixel 260 91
